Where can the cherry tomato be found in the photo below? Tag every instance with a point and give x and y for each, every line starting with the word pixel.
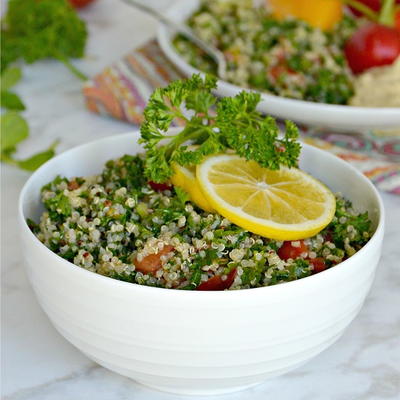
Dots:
pixel 216 283
pixel 372 45
pixel 159 187
pixel 397 21
pixel 151 263
pixel 318 263
pixel 289 251
pixel 80 3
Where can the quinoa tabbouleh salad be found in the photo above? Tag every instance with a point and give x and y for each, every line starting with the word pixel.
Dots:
pixel 288 58
pixel 130 223
pixel 307 50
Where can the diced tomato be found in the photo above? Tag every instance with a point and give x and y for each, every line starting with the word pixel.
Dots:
pixel 318 263
pixel 328 237
pixel 279 70
pixel 151 263
pixel 73 185
pixel 159 187
pixel 289 251
pixel 216 282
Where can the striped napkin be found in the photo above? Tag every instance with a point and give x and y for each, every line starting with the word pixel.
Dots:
pixel 122 89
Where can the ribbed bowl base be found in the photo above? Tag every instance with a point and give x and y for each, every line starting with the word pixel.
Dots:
pixel 198 392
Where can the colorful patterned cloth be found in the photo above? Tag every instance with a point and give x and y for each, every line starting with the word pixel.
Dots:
pixel 121 91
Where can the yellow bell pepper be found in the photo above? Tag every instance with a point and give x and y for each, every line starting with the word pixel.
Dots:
pixel 323 14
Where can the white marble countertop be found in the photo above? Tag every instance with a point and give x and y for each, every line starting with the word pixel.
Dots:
pixel 38 364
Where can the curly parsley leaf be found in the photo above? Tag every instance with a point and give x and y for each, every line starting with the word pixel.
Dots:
pixel 213 125
pixel 253 136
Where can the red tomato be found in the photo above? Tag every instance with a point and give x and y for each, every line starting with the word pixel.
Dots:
pixel 159 187
pixel 329 237
pixel 372 45
pixel 289 251
pixel 151 263
pixel 216 283
pixel 80 3
pixel 318 263
pixel 397 21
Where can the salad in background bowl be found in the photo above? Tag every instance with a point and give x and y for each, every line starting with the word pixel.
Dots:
pixel 304 73
pixel 131 261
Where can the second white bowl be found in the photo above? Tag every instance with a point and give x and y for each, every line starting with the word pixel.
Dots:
pixel 332 116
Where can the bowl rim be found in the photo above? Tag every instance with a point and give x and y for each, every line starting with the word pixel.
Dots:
pixel 310 280
pixel 163 38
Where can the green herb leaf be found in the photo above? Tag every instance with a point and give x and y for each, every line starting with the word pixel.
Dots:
pixel 11 101
pixel 346 217
pixel 181 195
pixel 10 77
pixel 59 204
pixel 34 162
pixel 214 125
pixel 14 129
pixel 33 226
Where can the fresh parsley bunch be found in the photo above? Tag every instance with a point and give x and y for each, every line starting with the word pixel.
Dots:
pixel 214 125
pixel 32 30
pixel 38 29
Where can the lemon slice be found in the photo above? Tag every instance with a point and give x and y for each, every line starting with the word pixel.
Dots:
pixel 185 178
pixel 287 204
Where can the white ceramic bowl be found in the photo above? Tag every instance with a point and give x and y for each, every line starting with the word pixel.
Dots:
pixel 195 342
pixel 336 117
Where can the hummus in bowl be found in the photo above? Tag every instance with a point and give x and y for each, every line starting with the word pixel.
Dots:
pixel 378 87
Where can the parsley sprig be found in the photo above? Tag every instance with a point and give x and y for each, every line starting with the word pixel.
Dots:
pixel 214 124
